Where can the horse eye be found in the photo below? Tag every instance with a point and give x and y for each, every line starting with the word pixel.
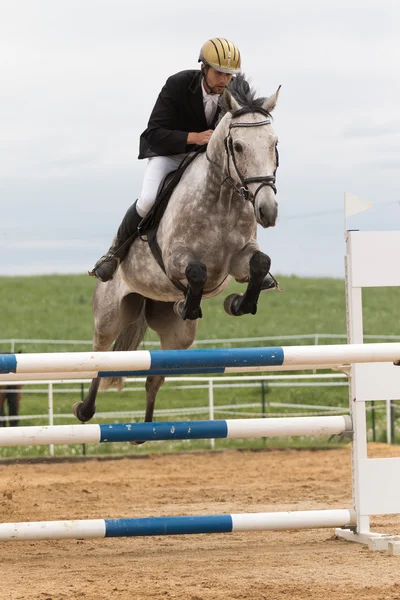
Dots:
pixel 238 147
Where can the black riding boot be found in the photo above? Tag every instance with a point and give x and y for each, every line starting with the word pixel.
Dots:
pixel 106 266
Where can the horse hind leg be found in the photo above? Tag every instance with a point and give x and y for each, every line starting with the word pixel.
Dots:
pixel 14 395
pixel 128 338
pixel 127 328
pixel 2 411
pixel 174 334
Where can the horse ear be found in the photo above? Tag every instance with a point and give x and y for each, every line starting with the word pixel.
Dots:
pixel 270 102
pixel 230 102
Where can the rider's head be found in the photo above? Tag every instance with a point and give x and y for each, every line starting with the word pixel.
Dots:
pixel 220 60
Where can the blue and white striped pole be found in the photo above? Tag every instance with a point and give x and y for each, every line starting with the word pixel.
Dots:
pixel 220 360
pixel 175 430
pixel 102 528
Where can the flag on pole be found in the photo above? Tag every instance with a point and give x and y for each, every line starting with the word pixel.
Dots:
pixel 354 205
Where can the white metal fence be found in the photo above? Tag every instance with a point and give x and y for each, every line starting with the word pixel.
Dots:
pixel 314 338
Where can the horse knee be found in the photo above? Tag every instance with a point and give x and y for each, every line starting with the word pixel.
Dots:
pixel 196 274
pixel 260 265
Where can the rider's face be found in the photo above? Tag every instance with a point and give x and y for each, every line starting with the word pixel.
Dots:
pixel 217 81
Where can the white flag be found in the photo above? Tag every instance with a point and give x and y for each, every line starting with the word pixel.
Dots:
pixel 354 205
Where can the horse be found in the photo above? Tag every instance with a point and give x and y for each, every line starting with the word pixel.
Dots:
pixel 206 237
pixel 10 394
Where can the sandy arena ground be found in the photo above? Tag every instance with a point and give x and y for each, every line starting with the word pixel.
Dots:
pixel 290 565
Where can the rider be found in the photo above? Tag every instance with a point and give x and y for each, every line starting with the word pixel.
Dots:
pixel 184 116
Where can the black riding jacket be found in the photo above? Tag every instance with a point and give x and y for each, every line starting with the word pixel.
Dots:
pixel 179 110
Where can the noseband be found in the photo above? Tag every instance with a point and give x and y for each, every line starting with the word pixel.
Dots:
pixel 263 180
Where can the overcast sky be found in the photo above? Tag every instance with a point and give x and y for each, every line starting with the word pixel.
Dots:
pixel 79 79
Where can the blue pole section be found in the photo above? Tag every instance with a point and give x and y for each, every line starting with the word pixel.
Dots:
pixel 8 363
pixel 144 432
pixel 168 526
pixel 221 357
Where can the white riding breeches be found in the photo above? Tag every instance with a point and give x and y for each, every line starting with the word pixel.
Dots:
pixel 157 168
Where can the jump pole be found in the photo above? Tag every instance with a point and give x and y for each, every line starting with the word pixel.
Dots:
pixel 186 430
pixel 102 528
pixel 220 360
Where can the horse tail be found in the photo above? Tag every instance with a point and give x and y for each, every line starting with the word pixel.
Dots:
pixel 128 338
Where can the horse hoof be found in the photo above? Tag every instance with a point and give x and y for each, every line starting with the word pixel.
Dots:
pixel 77 411
pixel 231 305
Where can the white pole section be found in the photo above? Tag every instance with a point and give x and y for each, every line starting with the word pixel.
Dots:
pixel 53 530
pixel 336 354
pixel 302 519
pixel 43 435
pixel 287 426
pixel 58 362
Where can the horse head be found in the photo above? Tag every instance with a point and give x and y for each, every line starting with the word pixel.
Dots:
pixel 246 139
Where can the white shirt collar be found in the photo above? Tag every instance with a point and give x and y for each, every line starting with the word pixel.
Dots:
pixel 206 97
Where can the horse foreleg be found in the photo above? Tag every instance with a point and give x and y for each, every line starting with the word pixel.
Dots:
pixel 244 304
pixel 189 308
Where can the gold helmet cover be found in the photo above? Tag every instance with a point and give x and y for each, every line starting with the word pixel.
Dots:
pixel 221 54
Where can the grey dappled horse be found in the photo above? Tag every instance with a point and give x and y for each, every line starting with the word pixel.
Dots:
pixel 207 236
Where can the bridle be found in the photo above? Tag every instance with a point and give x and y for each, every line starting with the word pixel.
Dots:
pixel 242 188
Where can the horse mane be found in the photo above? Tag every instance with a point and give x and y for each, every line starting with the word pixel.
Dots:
pixel 244 95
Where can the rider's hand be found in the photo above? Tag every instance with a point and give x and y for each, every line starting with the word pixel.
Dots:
pixel 200 138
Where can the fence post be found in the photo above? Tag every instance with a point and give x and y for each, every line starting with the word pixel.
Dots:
pixel 316 343
pixel 388 422
pixel 211 407
pixel 393 420
pixel 51 412
pixel 373 421
pixel 82 399
pixel 264 439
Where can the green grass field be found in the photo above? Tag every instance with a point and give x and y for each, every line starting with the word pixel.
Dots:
pixel 59 307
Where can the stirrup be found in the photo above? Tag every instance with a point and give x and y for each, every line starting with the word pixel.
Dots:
pixel 270 283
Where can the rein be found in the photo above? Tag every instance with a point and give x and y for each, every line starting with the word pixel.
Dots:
pixel 264 180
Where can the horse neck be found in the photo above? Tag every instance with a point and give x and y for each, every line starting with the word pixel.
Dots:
pixel 217 193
